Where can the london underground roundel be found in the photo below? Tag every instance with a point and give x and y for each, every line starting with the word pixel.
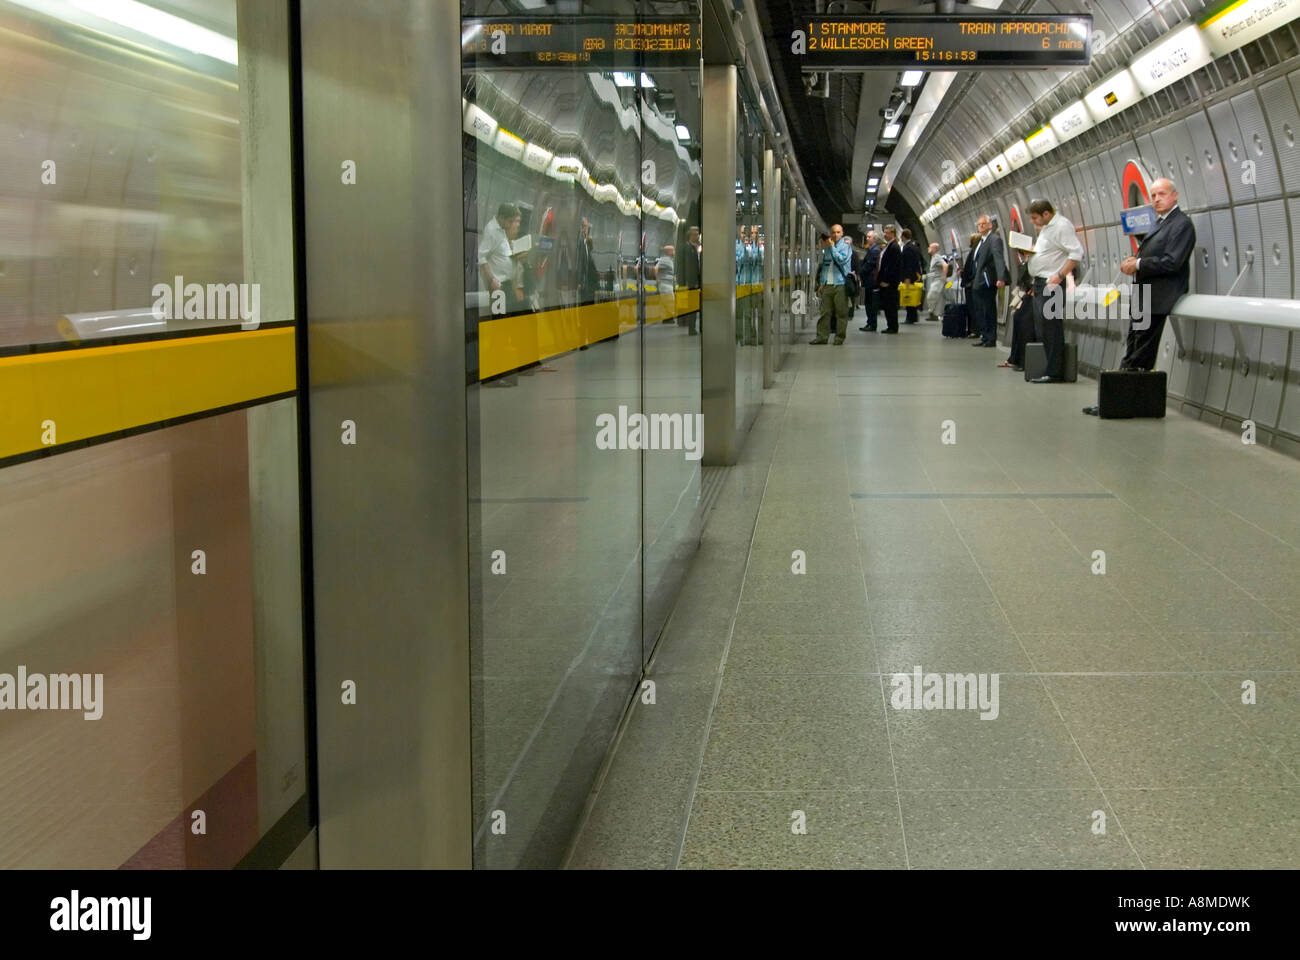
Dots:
pixel 1133 190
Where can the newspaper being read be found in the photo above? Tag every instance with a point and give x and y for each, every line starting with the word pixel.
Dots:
pixel 1020 241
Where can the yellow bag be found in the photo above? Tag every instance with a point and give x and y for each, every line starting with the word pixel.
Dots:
pixel 909 294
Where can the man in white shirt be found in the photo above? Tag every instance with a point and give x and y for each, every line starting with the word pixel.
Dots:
pixel 1056 253
pixel 495 265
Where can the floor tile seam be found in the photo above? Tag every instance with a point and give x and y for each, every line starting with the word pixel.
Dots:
pixel 1227 509
pixel 1043 685
pixel 721 673
pixel 884 704
pixel 1195 553
pixel 1258 738
pixel 1152 628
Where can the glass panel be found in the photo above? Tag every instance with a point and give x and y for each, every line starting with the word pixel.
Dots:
pixel 579 196
pixel 150 577
pixel 671 344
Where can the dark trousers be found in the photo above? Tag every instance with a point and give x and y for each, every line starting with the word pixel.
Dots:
pixel 1142 345
pixel 984 309
pixel 871 301
pixel 1022 331
pixel 1051 332
pixel 889 304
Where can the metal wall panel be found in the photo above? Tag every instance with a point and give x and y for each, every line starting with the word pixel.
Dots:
pixel 1220 368
pixel 1225 249
pixel 1256 145
pixel 1231 150
pixel 1206 155
pixel 1246 216
pixel 1199 338
pixel 1205 265
pixel 1083 176
pixel 1270 378
pixel 1275 246
pixel 1241 392
pixel 1101 175
pixel 1284 128
pixel 1178 367
pixel 1150 157
pixel 1289 417
pixel 1113 164
pixel 718 280
pixel 1187 170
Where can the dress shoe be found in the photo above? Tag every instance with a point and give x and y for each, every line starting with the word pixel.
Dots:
pixel 1092 411
pixel 889 331
pixel 867 329
pixel 1046 380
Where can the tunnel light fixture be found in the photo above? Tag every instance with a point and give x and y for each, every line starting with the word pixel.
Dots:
pixel 873 181
pixel 683 132
pixel 647 80
pixel 624 79
pixel 891 131
pixel 170 29
pixel 912 78
pixel 878 163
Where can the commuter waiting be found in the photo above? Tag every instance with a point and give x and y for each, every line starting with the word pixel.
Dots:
pixel 867 268
pixel 830 286
pixel 937 280
pixel 990 274
pixel 1162 272
pixel 664 282
pixel 888 275
pixel 1056 253
pixel 913 270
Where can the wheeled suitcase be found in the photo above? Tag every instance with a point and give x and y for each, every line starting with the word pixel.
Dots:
pixel 956 317
pixel 1036 362
pixel 956 320
pixel 1131 393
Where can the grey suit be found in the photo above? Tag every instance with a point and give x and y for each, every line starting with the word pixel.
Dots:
pixel 990 267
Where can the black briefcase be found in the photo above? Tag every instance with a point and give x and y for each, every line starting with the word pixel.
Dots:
pixel 1036 362
pixel 1131 393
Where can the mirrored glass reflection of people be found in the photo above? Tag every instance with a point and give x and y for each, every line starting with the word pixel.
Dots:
pixel 496 260
pixel 690 279
pixel 588 278
pixel 497 268
pixel 665 281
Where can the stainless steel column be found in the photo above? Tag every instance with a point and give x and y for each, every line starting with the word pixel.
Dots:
pixel 718 267
pixel 770 205
pixel 386 333
pixel 790 245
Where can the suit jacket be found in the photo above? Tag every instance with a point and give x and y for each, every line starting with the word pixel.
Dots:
pixel 690 272
pixel 968 268
pixel 913 266
pixel 869 265
pixel 990 265
pixel 890 270
pixel 1165 255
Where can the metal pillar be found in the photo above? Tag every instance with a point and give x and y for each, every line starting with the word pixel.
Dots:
pixel 718 269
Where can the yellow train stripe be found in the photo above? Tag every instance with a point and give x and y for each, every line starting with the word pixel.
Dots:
pixel 512 342
pixel 65 396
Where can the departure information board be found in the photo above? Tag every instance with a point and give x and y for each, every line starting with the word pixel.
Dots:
pixel 530 42
pixel 977 42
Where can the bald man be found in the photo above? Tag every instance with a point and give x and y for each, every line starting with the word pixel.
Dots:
pixel 1161 269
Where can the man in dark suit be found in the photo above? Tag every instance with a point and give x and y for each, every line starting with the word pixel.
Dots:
pixel 867 275
pixel 1161 269
pixel 888 274
pixel 913 268
pixel 690 274
pixel 990 274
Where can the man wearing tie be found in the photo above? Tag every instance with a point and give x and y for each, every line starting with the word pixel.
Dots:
pixel 990 265
pixel 888 273
pixel 1162 271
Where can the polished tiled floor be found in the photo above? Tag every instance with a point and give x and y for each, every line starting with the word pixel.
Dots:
pixel 1120 693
